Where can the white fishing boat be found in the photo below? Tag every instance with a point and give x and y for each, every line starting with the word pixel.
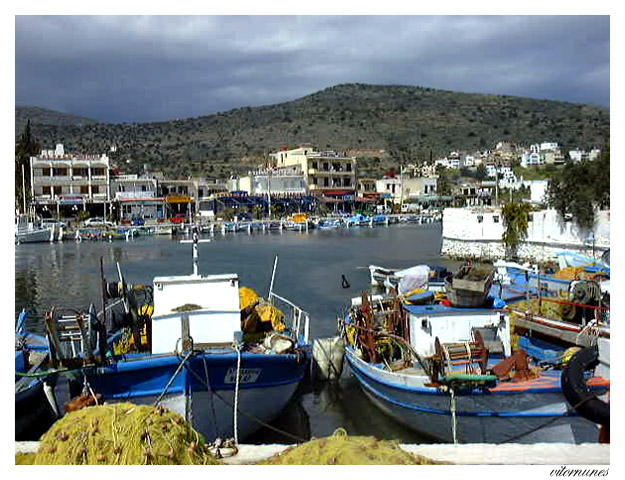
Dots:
pixel 448 374
pixel 30 232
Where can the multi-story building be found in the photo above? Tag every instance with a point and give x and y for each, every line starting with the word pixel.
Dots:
pixel 179 196
pixel 65 183
pixel 578 155
pixel 273 181
pixel 325 172
pixel 391 187
pixel 137 197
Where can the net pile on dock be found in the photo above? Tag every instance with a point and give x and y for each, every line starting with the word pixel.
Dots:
pixel 544 308
pixel 123 434
pixel 341 449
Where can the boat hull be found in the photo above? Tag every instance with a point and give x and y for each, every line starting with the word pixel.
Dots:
pixel 531 416
pixel 266 384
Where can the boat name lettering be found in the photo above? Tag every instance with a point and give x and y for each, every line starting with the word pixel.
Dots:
pixel 246 375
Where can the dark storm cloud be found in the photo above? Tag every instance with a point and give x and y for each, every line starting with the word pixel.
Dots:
pixel 157 68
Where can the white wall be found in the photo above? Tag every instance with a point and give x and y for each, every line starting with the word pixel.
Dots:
pixel 465 236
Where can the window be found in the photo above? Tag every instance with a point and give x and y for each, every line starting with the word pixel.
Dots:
pixel 84 189
pixel 58 190
pixel 325 166
pixel 315 165
pixel 46 171
pixel 144 188
pixel 326 182
pixel 495 218
pixel 46 190
pixel 348 167
pixel 480 218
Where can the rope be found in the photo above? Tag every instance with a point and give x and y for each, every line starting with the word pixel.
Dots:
pixel 236 394
pixel 210 390
pixel 251 417
pixel 591 330
pixel 171 380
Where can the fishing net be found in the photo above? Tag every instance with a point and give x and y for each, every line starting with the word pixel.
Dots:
pixel 123 434
pixel 545 308
pixel 341 449
pixel 247 296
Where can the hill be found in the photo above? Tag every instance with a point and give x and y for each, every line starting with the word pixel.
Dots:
pixel 44 116
pixel 407 122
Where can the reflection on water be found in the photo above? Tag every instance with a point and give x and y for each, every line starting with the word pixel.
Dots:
pixel 309 273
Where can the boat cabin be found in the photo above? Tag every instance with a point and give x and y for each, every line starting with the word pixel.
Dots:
pixel 204 309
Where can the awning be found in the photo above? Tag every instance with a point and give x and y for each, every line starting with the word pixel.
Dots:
pixel 178 199
pixel 142 199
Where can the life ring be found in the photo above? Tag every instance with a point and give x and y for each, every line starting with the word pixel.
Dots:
pixel 577 393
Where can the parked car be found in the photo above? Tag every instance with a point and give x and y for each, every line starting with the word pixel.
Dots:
pixel 97 222
pixel 51 222
pixel 178 218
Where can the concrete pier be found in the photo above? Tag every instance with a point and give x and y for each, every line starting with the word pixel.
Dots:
pixel 469 454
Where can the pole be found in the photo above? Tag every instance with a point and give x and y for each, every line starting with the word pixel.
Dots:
pixel 24 188
pixel 273 275
pixel 195 253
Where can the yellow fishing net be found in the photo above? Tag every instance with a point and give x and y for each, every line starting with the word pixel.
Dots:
pixel 269 313
pixel 341 449
pixel 247 296
pixel 123 434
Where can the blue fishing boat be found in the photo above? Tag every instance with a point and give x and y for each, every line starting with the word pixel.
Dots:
pixel 35 406
pixel 227 362
pixel 357 220
pixel 329 224
pixel 454 375
pixel 379 219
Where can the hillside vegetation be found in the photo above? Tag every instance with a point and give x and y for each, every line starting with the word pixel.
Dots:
pixel 409 123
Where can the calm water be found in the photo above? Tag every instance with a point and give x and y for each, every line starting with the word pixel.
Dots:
pixel 309 273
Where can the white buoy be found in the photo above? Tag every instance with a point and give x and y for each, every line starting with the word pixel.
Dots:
pixel 328 357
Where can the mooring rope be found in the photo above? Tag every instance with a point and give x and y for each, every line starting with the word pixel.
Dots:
pixel 454 426
pixel 236 395
pixel 171 380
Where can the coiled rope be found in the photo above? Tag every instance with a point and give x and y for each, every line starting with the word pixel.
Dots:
pixel 236 395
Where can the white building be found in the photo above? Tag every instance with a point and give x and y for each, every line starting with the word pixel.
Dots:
pixel 324 171
pixel 578 155
pixel 274 181
pixel 59 179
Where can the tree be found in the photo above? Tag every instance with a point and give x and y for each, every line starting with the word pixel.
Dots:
pixel 515 221
pixel 443 184
pixel 25 147
pixel 480 172
pixel 582 188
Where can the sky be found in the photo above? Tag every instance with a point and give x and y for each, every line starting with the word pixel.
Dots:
pixel 154 68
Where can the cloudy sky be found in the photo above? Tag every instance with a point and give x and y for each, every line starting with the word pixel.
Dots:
pixel 141 69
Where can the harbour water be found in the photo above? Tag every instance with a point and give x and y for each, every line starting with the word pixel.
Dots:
pixel 309 272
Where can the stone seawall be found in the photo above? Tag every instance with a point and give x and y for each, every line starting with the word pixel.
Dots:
pixel 475 233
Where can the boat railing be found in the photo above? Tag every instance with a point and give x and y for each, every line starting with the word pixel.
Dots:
pixel 298 318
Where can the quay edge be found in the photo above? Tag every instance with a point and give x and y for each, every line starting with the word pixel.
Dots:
pixel 466 454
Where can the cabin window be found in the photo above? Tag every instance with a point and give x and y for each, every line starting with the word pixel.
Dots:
pixel 480 218
pixel 495 218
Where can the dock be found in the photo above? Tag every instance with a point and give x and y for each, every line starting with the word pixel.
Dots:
pixel 467 454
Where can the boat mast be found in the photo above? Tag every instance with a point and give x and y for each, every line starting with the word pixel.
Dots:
pixel 24 188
